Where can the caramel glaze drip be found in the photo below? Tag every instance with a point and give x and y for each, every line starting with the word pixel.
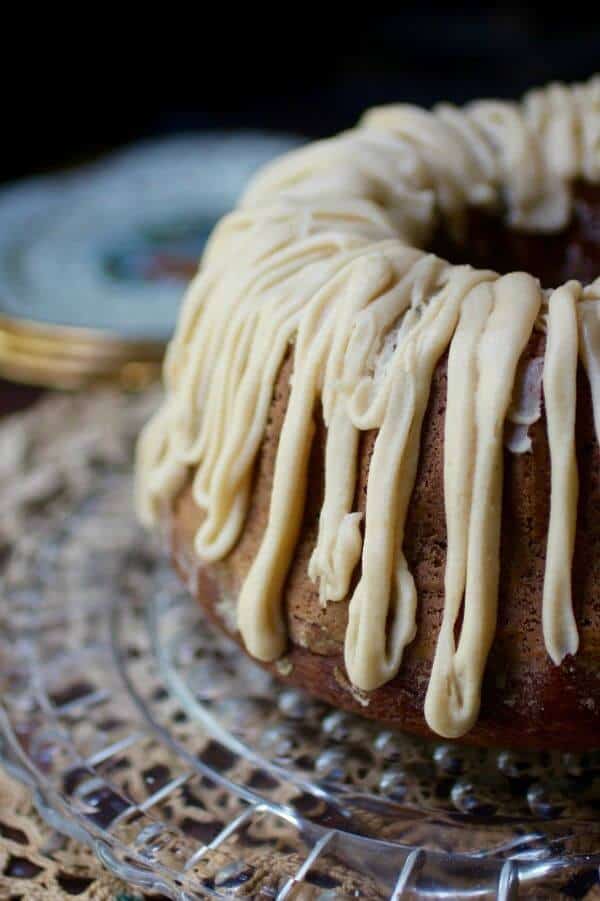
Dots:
pixel 325 255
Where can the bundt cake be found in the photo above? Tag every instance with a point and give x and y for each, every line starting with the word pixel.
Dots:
pixel 377 457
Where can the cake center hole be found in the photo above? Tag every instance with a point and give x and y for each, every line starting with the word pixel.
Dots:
pixel 572 253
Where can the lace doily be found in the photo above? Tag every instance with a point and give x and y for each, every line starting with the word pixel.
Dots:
pixel 180 765
pixel 49 461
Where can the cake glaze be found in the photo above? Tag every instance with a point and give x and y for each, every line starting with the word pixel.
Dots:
pixel 324 256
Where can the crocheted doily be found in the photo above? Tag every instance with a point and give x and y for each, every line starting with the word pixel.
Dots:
pixel 50 458
pixel 166 804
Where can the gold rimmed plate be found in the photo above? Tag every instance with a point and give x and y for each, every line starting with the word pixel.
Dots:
pixel 93 263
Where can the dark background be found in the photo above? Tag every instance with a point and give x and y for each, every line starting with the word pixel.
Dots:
pixel 293 69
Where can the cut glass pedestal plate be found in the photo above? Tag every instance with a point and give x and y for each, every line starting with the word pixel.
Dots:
pixel 187 768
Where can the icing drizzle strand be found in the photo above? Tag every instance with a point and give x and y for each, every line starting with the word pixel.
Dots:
pixel 323 254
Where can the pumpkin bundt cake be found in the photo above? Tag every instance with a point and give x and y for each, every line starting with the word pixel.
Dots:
pixel 377 456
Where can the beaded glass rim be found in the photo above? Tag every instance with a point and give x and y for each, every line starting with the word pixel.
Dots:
pixel 188 769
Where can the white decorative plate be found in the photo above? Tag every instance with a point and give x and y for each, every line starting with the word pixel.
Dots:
pixel 111 245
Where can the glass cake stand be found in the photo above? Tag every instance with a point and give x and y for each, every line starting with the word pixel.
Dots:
pixel 187 768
